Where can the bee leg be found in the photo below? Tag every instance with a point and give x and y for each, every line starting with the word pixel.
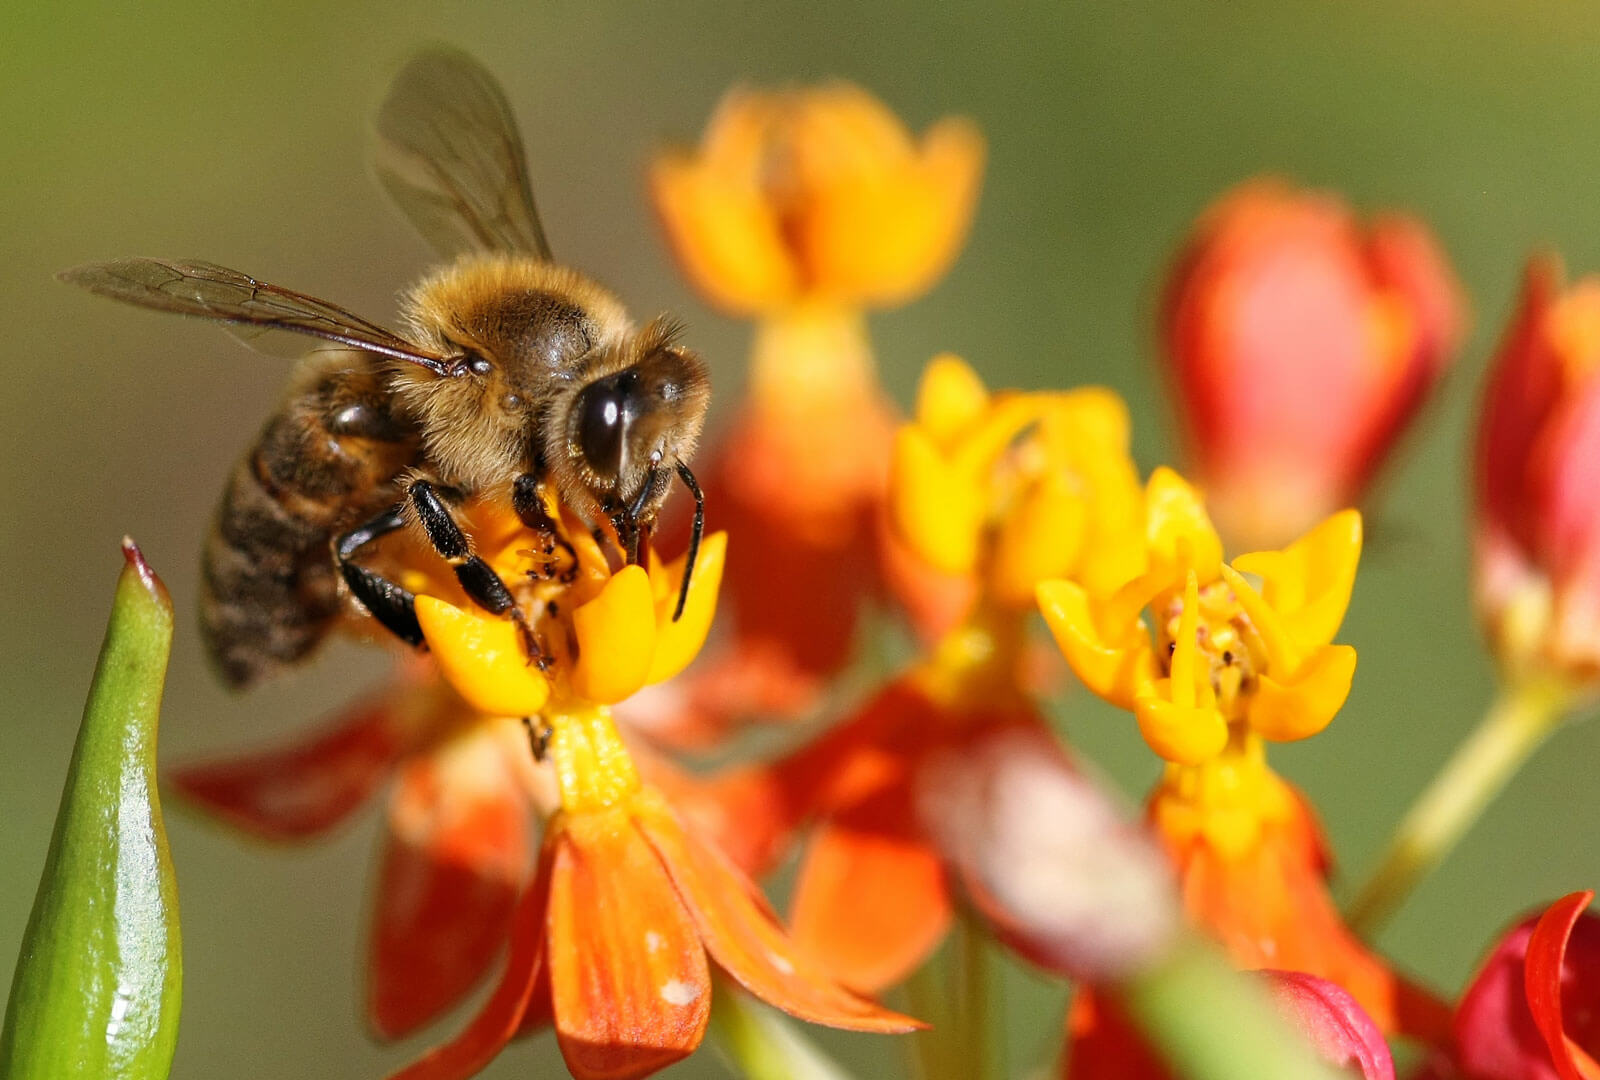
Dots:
pixel 529 505
pixel 478 579
pixel 695 532
pixel 391 605
pixel 539 734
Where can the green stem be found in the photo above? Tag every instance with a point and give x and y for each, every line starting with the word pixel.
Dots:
pixel 761 1044
pixel 925 996
pixel 1521 717
pixel 1213 1023
pixel 972 999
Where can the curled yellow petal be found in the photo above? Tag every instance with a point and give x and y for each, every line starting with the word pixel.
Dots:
pixel 950 399
pixel 1177 525
pixel 1040 539
pixel 1303 704
pixel 1309 582
pixel 1185 734
pixel 483 658
pixel 677 643
pixel 616 633
pixel 1116 670
pixel 937 510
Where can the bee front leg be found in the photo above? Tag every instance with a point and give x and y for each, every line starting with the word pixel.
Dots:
pixel 478 579
pixel 528 501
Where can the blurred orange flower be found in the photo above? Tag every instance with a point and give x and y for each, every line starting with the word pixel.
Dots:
pixel 995 490
pixel 1300 344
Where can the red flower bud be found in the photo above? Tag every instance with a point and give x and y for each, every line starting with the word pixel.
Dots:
pixel 1300 344
pixel 1332 1022
pixel 1533 1010
pixel 1538 482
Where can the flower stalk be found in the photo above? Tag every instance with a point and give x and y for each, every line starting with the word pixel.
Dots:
pixel 1522 716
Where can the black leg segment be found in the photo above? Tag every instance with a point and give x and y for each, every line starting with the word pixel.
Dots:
pixel 695 532
pixel 391 605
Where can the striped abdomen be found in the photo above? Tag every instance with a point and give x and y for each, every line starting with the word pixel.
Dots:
pixel 326 461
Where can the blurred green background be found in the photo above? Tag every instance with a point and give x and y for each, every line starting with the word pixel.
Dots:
pixel 238 135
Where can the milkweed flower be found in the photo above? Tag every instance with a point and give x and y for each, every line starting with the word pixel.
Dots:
pixel 1300 344
pixel 1223 666
pixel 1530 1011
pixel 996 490
pixel 801 209
pixel 1537 535
pixel 467 795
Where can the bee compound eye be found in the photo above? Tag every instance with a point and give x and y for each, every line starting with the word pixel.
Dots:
pixel 601 420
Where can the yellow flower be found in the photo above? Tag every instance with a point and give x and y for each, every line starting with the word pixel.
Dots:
pixel 1013 488
pixel 1221 653
pixel 819 194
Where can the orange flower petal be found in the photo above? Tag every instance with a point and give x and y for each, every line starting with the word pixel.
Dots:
pixel 628 975
pixel 454 861
pixel 300 791
pixel 483 658
pixel 471 1051
pixel 616 634
pixel 745 939
pixel 871 902
pixel 678 643
pixel 1543 976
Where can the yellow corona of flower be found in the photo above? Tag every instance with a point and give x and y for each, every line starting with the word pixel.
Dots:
pixel 817 194
pixel 1013 487
pixel 1221 654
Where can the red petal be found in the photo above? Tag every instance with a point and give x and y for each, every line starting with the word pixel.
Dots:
pixel 456 856
pixel 1543 977
pixel 472 1050
pixel 871 902
pixel 628 975
pixel 1103 1045
pixel 744 938
pixel 297 792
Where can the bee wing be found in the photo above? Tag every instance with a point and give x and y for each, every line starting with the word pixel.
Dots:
pixel 208 291
pixel 448 153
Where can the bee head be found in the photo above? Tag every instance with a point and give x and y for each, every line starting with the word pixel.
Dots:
pixel 625 429
pixel 521 329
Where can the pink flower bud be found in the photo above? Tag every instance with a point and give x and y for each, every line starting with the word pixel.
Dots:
pixel 1300 344
pixel 1538 482
pixel 1332 1022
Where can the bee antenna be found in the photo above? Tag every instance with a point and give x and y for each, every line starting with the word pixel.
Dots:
pixel 694 535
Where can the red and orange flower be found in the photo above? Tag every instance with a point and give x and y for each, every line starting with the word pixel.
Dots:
pixel 800 209
pixel 1224 665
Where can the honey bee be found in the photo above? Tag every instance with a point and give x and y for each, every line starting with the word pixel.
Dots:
pixel 517 377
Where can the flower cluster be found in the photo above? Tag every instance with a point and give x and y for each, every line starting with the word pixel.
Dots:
pixel 538 810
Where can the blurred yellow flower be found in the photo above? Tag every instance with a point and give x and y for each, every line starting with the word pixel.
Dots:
pixel 820 194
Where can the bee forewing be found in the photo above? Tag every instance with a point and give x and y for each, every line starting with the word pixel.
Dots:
pixel 208 291
pixel 448 153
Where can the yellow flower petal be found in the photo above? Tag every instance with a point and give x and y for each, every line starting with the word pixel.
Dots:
pixel 678 643
pixel 1309 582
pixel 482 657
pixel 1185 734
pixel 1303 704
pixel 937 510
pixel 1178 528
pixel 951 398
pixel 1117 670
pixel 1282 654
pixel 616 634
pixel 1039 539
